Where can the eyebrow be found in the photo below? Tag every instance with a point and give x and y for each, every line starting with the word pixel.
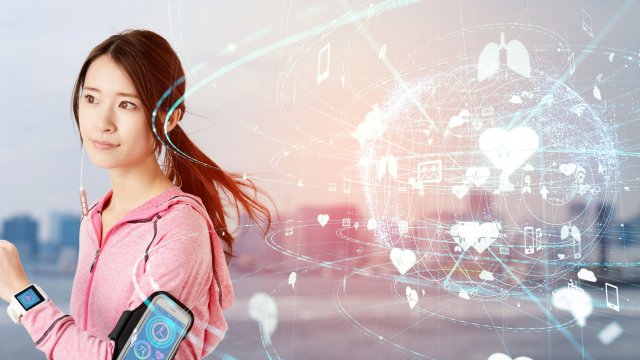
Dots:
pixel 119 94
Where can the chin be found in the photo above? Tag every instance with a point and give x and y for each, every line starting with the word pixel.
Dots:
pixel 104 162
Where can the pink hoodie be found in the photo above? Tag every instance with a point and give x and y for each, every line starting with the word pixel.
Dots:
pixel 164 244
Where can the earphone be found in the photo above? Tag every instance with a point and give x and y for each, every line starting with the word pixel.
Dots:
pixel 83 193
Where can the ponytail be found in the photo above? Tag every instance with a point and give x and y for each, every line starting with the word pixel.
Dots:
pixel 211 183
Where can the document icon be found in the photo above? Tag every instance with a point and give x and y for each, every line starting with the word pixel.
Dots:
pixel 346 186
pixel 288 229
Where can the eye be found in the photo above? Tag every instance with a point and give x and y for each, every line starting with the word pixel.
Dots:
pixel 90 99
pixel 128 105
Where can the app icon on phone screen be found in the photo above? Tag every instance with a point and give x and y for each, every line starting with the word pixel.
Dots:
pixel 157 337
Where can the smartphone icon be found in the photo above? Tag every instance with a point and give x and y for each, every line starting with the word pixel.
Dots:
pixel 160 331
pixel 529 240
pixel 611 293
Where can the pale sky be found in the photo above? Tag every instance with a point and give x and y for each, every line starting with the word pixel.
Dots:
pixel 45 43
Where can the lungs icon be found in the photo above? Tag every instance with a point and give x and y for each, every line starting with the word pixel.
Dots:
pixel 517 58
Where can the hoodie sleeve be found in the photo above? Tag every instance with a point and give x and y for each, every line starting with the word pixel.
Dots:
pixel 179 262
pixel 59 337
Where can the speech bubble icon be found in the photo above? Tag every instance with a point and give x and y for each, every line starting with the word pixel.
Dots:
pixel 575 300
pixel 486 275
pixel 264 310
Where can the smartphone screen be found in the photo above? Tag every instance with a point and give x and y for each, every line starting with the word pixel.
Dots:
pixel 163 326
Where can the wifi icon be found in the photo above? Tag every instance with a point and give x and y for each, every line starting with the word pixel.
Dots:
pixel 579 109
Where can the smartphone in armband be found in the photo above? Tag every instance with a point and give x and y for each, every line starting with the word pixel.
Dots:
pixel 160 330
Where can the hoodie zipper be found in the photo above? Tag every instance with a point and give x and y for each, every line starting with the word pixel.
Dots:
pixel 92 272
pixel 95 262
pixel 95 259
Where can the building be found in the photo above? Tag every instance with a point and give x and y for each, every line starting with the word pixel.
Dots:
pixel 65 230
pixel 22 230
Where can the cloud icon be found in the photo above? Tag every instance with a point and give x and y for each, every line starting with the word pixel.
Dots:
pixel 372 126
pixel 463 294
pixel 586 275
pixel 485 275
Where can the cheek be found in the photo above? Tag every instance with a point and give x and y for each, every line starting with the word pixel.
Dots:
pixel 139 133
pixel 83 126
pixel 84 119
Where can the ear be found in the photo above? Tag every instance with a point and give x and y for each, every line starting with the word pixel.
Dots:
pixel 173 121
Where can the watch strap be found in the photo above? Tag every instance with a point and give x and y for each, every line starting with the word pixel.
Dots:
pixel 15 309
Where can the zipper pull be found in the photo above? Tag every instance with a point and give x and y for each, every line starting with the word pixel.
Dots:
pixel 95 259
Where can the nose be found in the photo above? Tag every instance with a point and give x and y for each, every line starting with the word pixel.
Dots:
pixel 104 121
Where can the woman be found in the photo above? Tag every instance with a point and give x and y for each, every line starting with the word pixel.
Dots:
pixel 155 229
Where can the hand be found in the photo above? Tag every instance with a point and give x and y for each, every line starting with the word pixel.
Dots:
pixel 13 278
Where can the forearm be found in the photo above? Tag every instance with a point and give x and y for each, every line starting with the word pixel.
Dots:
pixel 58 336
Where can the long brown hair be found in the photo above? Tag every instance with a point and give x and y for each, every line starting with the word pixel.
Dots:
pixel 157 73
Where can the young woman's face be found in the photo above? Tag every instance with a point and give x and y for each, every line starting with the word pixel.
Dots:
pixel 112 120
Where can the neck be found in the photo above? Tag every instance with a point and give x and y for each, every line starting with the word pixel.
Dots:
pixel 133 186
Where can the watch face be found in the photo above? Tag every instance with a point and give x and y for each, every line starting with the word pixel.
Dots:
pixel 29 297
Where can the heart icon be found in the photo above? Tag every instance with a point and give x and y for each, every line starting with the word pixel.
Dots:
pixel 403 259
pixel 567 169
pixel 159 355
pixel 412 297
pixel 463 233
pixel 460 190
pixel 488 234
pixel 471 234
pixel 507 150
pixel 323 219
pixel 478 175
pixel 501 356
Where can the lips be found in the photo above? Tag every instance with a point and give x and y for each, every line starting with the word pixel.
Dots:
pixel 102 145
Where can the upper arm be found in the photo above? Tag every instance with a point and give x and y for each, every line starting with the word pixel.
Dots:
pixel 180 263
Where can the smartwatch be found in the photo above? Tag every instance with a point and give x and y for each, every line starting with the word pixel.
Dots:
pixel 24 301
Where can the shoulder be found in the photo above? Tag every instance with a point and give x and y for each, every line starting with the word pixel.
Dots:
pixel 182 213
pixel 183 221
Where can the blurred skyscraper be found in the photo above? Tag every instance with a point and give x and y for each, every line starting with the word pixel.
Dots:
pixel 22 230
pixel 65 232
pixel 65 229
